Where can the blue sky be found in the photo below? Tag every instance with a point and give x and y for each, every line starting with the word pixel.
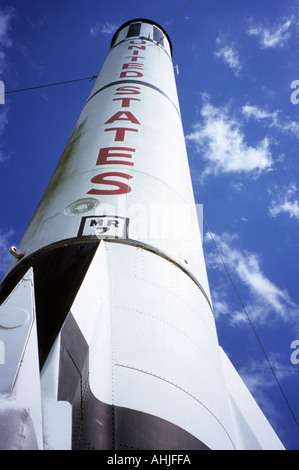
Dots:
pixel 237 62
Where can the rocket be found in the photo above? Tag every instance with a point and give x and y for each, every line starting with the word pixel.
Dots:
pixel 107 333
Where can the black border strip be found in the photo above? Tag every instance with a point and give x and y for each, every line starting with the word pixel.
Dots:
pixel 91 239
pixel 138 82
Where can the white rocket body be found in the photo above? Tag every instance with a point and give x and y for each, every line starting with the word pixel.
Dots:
pixel 117 293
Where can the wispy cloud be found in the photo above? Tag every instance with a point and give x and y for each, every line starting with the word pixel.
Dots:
pixel 31 55
pixel 3 122
pixel 5 38
pixel 272 119
pixel 27 49
pixel 259 380
pixel 220 141
pixel 256 374
pixel 6 17
pixel 3 155
pixel 272 36
pixel 285 200
pixel 102 28
pixel 5 256
pixel 3 119
pixel 229 55
pixel 264 298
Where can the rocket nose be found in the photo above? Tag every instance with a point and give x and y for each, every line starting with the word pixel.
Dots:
pixel 143 29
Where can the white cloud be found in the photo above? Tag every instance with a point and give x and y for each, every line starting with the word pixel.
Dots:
pixel 229 55
pixel 275 36
pixel 5 19
pixel 238 187
pixel 3 118
pixel 259 379
pixel 5 256
pixel 259 114
pixel 257 373
pixel 271 119
pixel 3 155
pixel 102 28
pixel 220 141
pixel 28 50
pixel 31 56
pixel 5 42
pixel 284 201
pixel 264 298
pixel 5 39
pixel 3 122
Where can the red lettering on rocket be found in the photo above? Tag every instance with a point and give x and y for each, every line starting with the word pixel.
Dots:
pixel 121 155
pixel 120 132
pixel 128 90
pixel 125 101
pixel 101 179
pixel 107 152
pixel 117 117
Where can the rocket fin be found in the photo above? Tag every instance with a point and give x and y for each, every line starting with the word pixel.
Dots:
pixel 20 401
pixel 252 430
pixel 58 273
pixel 89 387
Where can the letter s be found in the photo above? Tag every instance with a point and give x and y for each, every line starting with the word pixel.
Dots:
pixel 122 188
pixel 295 354
pixel 294 98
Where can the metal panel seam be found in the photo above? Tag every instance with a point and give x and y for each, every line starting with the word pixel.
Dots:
pixel 126 366
pixel 196 343
pixel 139 82
pixel 158 252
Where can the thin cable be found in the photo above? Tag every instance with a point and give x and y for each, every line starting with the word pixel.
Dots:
pixel 87 78
pixel 175 21
pixel 49 85
pixel 178 17
pixel 251 324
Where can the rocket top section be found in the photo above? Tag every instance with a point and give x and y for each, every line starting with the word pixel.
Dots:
pixel 124 174
pixel 143 29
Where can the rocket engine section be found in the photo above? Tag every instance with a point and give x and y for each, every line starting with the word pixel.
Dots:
pixel 118 294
